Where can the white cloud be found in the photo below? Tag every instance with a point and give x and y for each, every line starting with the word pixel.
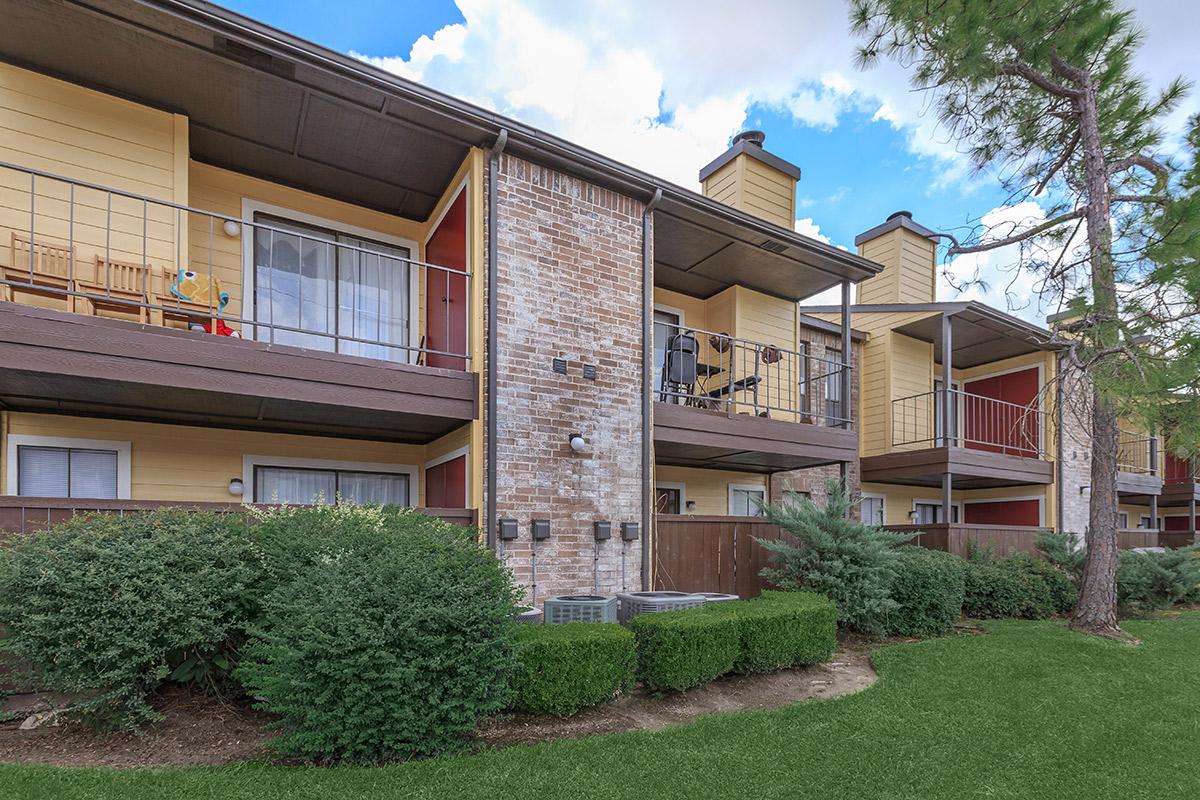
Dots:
pixel 662 85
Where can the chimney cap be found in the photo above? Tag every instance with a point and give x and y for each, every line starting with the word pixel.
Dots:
pixel 750 137
pixel 750 143
pixel 898 219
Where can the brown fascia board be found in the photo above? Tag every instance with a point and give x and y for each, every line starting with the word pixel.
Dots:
pixel 897 221
pixel 815 324
pixel 753 151
pixel 482 127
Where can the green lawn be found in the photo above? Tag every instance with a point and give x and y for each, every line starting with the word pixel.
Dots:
pixel 1027 711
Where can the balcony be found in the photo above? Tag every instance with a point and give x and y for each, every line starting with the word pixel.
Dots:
pixel 989 442
pixel 1181 483
pixel 731 403
pixel 1138 476
pixel 118 304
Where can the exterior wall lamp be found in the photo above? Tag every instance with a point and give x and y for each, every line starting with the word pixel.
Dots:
pixel 577 442
pixel 236 487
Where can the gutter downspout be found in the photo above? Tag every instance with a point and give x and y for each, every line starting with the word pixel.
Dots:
pixel 490 389
pixel 1059 516
pixel 647 381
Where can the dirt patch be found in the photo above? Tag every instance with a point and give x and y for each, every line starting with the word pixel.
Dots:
pixel 200 729
pixel 197 729
pixel 849 671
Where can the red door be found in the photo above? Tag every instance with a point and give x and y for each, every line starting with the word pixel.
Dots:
pixel 1177 523
pixel 1000 413
pixel 1003 512
pixel 446 484
pixel 446 292
pixel 1178 470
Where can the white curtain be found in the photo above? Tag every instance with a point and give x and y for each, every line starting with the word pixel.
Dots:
pixel 295 486
pixel 367 487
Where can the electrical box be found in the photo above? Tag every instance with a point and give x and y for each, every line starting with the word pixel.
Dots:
pixel 540 528
pixel 508 530
pixel 602 529
pixel 629 531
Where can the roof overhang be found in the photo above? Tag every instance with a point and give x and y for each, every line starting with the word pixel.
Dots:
pixel 265 103
pixel 980 333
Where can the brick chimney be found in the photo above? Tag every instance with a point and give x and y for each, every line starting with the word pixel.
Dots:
pixel 753 180
pixel 908 253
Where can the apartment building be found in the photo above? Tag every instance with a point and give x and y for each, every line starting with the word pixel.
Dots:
pixel 240 268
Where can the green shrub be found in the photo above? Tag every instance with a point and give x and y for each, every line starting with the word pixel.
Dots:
pixel 989 590
pixel 563 668
pixel 1148 581
pixel 850 563
pixel 392 641
pixel 681 649
pixel 928 590
pixel 1063 550
pixel 1050 590
pixel 781 629
pixel 108 607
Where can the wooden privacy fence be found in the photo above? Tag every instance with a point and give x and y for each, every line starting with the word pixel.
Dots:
pixel 711 553
pixel 27 514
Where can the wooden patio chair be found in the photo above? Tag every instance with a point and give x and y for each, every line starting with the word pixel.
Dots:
pixel 120 286
pixel 50 275
pixel 178 309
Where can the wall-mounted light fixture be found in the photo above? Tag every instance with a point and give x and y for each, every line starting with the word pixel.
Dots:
pixel 912 515
pixel 231 228
pixel 236 487
pixel 1085 489
pixel 690 505
pixel 577 442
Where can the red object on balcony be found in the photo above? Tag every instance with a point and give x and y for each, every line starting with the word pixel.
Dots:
pixel 1003 512
pixel 1004 427
pixel 1176 523
pixel 446 484
pixel 446 292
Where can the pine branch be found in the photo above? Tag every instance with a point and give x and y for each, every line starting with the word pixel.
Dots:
pixel 1156 199
pixel 958 249
pixel 1066 156
pixel 1038 79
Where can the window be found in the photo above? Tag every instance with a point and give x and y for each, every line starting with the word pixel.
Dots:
pixel 746 500
pixel 872 509
pixel 666 325
pixel 308 278
pixel 67 472
pixel 1145 523
pixel 666 500
pixel 834 407
pixel 802 368
pixel 303 486
pixel 929 513
pixel 1123 520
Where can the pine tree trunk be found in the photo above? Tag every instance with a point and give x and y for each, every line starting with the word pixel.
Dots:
pixel 1096 611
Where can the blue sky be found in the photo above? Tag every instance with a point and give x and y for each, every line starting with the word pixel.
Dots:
pixel 648 83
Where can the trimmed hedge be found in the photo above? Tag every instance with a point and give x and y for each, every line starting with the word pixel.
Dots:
pixel 1019 586
pixel 681 649
pixel 929 588
pixel 782 629
pixel 991 591
pixel 563 668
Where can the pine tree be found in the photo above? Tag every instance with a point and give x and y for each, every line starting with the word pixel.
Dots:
pixel 1042 92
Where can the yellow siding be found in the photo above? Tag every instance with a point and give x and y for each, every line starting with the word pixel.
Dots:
pixel 750 185
pixel 912 380
pixel 768 193
pixel 708 488
pixel 59 127
pixel 909 269
pixel 185 463
pixel 695 311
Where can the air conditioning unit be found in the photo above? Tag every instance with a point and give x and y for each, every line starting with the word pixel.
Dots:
pixel 634 603
pixel 529 615
pixel 580 608
pixel 717 597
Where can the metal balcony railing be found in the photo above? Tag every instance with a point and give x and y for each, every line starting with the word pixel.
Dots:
pixel 976 422
pixel 95 249
pixel 720 372
pixel 1136 453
